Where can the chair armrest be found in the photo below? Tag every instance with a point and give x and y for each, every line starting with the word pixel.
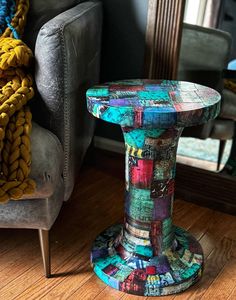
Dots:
pixel 67 54
pixel 228 108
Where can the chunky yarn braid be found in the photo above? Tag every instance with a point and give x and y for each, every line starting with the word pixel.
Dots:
pixel 15 91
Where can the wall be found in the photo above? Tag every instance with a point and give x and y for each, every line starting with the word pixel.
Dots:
pixel 123 48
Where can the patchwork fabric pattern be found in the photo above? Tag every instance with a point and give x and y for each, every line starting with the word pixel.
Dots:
pixel 153 103
pixel 148 255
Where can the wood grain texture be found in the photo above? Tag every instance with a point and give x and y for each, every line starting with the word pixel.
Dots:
pixel 163 36
pixel 97 202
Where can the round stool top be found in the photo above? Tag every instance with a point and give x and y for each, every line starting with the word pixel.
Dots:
pixel 153 103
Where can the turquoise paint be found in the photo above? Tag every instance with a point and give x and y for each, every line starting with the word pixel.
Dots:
pixel 154 95
pixel 98 92
pixel 136 138
pixel 144 250
pixel 139 194
pixel 141 211
pixel 121 116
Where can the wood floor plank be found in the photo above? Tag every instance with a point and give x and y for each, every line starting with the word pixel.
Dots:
pixel 17 265
pixel 222 286
pixel 72 268
pixel 232 296
pixel 190 216
pixel 217 228
pixel 109 294
pixel 89 290
pixel 202 224
pixel 8 246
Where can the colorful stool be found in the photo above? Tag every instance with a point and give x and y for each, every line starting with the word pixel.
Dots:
pixel 148 255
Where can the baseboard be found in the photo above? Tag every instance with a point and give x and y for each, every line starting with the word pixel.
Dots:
pixel 109 145
pixel 214 190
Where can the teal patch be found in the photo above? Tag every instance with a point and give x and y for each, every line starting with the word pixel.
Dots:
pixel 190 271
pixel 136 138
pixel 181 236
pixel 167 241
pixel 140 210
pixel 139 194
pixel 144 250
pixel 98 92
pixel 154 95
pixel 121 116
pixel 109 260
pixel 167 227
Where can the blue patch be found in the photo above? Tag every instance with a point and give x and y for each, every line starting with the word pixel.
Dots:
pixel 164 117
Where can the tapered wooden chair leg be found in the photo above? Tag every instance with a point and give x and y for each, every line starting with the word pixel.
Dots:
pixel 221 152
pixel 45 249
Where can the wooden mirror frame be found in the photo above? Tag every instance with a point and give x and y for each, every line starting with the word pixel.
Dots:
pixel 163 37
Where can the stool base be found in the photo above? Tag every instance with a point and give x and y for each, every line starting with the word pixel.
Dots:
pixel 172 272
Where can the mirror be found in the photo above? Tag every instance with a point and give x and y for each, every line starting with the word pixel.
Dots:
pixel 212 148
pixel 204 53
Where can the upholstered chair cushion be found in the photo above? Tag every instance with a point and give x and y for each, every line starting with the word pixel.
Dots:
pixel 42 207
pixel 47 161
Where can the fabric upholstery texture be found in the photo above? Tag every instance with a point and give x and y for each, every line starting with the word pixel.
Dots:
pixel 228 109
pixel 223 129
pixel 32 213
pixel 67 56
pixel 204 55
pixel 42 207
pixel 197 48
pixel 40 12
pixel 47 162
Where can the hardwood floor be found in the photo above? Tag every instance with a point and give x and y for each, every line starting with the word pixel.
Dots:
pixel 97 202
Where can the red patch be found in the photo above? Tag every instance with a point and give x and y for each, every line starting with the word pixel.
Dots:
pixel 151 270
pixel 110 270
pixel 121 87
pixel 141 175
pixel 138 116
pixel 155 233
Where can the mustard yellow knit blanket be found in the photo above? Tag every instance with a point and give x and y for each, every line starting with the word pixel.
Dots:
pixel 15 117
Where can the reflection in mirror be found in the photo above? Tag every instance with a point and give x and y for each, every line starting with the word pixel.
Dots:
pixel 205 54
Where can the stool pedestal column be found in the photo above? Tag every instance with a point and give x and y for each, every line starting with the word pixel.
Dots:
pixel 148 255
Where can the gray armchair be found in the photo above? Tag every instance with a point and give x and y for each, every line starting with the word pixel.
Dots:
pixel 204 54
pixel 65 37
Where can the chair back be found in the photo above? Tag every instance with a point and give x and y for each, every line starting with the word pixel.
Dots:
pixel 40 12
pixel 204 53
